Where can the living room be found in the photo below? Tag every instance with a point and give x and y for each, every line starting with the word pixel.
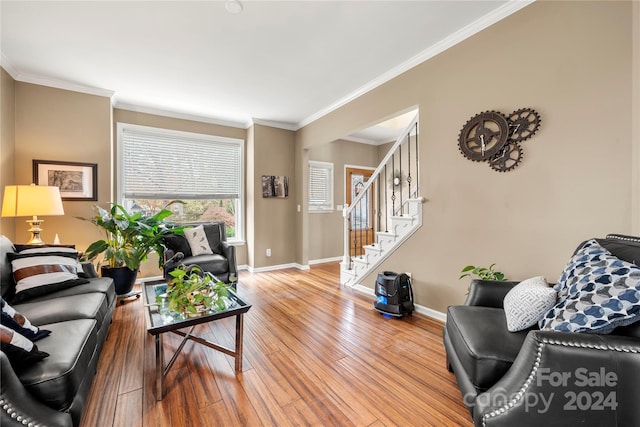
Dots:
pixel 576 63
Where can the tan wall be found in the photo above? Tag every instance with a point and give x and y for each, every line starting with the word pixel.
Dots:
pixel 54 124
pixel 7 144
pixel 326 230
pixel 572 62
pixel 272 219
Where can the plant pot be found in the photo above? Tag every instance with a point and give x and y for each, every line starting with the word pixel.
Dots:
pixel 123 278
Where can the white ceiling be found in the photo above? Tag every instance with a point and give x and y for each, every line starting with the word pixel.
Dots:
pixel 286 62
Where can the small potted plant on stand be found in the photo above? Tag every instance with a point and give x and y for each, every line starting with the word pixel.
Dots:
pixel 482 273
pixel 130 238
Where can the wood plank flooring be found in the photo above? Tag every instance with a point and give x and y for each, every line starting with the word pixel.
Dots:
pixel 314 354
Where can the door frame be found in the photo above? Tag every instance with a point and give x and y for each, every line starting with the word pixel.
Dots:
pixel 372 213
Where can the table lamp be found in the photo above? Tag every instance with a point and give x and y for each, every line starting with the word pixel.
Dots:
pixel 32 200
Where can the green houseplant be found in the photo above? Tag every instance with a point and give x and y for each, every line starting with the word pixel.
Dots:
pixel 482 273
pixel 129 239
pixel 192 292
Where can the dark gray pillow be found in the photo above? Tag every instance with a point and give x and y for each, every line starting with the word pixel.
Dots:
pixel 177 243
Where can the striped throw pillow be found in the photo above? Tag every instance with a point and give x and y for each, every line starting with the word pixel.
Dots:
pixel 37 274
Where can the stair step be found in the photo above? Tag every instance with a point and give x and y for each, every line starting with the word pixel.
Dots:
pixel 385 238
pixel 361 260
pixel 348 273
pixel 386 234
pixel 375 248
pixel 403 218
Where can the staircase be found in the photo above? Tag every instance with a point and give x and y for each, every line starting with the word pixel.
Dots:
pixel 393 191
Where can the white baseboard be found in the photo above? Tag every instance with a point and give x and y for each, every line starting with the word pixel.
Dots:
pixel 429 312
pixel 323 260
pixel 275 267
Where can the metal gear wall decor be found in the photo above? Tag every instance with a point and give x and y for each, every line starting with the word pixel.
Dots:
pixel 510 157
pixel 483 136
pixel 523 124
pixel 495 138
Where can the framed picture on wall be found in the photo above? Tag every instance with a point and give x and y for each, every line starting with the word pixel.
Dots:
pixel 77 181
pixel 275 186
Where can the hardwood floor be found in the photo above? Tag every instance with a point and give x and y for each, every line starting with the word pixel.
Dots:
pixel 314 354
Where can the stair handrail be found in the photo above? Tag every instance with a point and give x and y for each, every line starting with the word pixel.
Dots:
pixel 384 161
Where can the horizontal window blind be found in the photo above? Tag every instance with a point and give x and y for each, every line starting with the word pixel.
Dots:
pixel 172 166
pixel 320 186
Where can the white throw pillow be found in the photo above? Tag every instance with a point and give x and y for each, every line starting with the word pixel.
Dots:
pixel 198 241
pixel 528 302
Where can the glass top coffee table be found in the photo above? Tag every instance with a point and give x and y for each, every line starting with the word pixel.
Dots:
pixel 160 321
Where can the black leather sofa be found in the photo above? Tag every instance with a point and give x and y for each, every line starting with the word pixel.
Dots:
pixel 542 377
pixel 53 391
pixel 222 263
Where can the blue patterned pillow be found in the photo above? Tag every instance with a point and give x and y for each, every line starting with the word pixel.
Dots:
pixel 597 293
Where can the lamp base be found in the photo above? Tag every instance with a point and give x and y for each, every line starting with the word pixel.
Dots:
pixel 35 231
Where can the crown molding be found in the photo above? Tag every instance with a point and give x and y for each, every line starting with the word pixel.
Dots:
pixel 360 140
pixel 8 66
pixel 275 124
pixel 179 115
pixel 464 33
pixel 58 83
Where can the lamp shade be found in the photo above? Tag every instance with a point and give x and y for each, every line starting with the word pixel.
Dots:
pixel 31 200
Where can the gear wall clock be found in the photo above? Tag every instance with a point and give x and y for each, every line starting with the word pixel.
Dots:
pixel 495 138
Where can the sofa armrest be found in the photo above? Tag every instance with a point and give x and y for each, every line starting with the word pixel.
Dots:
pixel 488 293
pixel 89 269
pixel 19 408
pixel 229 252
pixel 561 379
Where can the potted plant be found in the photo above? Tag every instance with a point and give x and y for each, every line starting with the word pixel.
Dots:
pixel 192 292
pixel 482 273
pixel 130 238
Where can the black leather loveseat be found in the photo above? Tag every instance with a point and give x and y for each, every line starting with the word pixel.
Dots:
pixel 53 391
pixel 545 377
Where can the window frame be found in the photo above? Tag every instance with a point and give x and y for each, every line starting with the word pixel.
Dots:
pixel 327 207
pixel 122 127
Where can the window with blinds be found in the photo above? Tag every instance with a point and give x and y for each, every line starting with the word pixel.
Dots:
pixel 320 186
pixel 160 165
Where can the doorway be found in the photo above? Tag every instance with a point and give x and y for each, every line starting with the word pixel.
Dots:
pixel 362 220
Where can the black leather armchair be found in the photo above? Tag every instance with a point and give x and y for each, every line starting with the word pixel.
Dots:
pixel 222 263
pixel 542 378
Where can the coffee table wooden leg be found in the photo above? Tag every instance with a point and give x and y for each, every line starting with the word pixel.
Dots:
pixel 159 367
pixel 239 336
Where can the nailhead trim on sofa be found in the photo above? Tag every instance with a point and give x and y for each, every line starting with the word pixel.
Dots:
pixel 6 406
pixel 536 365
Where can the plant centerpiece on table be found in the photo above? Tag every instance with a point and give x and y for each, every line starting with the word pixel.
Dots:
pixel 129 239
pixel 192 291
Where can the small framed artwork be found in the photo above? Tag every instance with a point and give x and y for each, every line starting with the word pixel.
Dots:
pixel 77 181
pixel 275 186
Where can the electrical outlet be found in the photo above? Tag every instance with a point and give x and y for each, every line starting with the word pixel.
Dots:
pixel 268 252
